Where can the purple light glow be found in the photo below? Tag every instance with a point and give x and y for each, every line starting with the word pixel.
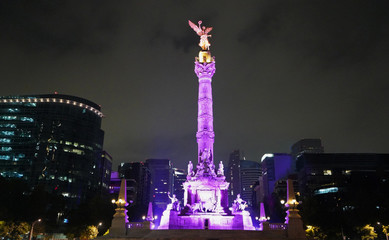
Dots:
pixel 205 134
pixel 206 191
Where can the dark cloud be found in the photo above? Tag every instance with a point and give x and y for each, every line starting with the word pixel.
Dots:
pixel 59 26
pixel 334 32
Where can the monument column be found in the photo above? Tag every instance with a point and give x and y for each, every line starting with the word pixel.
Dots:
pixel 204 69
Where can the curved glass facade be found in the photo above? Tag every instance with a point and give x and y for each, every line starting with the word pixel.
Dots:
pixel 55 140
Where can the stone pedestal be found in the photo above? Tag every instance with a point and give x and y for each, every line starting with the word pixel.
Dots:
pixel 118 227
pixel 295 225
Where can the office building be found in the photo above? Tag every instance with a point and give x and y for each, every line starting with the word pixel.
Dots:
pixel 308 145
pixel 138 176
pixel 250 172
pixel 179 177
pixel 341 186
pixel 114 188
pixel 275 166
pixel 232 174
pixel 54 140
pixel 161 182
pixel 327 173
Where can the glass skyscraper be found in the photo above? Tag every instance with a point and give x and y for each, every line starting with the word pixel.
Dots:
pixel 55 140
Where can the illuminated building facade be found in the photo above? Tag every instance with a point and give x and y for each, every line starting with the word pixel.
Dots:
pixel 274 167
pixel 179 177
pixel 55 140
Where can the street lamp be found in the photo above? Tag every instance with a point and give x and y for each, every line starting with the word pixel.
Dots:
pixel 294 203
pixel 32 228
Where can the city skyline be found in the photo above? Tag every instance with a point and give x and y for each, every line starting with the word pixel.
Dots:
pixel 285 71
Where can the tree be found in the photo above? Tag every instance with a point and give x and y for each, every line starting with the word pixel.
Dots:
pixel 385 230
pixel 14 230
pixel 89 232
pixel 367 232
pixel 313 232
pixel 89 213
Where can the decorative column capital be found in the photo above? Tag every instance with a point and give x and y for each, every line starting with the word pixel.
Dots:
pixel 205 69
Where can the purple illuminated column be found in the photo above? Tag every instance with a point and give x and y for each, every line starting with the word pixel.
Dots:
pixel 205 135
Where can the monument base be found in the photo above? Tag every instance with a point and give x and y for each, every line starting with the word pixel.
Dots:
pixel 214 221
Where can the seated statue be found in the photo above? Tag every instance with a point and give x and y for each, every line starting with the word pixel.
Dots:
pixel 239 204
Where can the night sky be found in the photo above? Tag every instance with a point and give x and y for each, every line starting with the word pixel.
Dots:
pixel 285 70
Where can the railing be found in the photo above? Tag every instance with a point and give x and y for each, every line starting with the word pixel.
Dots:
pixel 140 225
pixel 278 226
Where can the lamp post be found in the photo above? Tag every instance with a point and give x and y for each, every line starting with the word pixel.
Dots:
pixel 32 228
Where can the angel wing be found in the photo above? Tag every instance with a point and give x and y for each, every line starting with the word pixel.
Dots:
pixel 207 30
pixel 195 28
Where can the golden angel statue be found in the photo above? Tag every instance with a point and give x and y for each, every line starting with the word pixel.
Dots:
pixel 202 31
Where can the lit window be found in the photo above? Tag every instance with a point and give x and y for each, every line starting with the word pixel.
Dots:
pixel 4 157
pixel 77 151
pixel 7 125
pixel 327 172
pixel 8 117
pixel 326 190
pixel 7 133
pixel 26 119
pixel 5 149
